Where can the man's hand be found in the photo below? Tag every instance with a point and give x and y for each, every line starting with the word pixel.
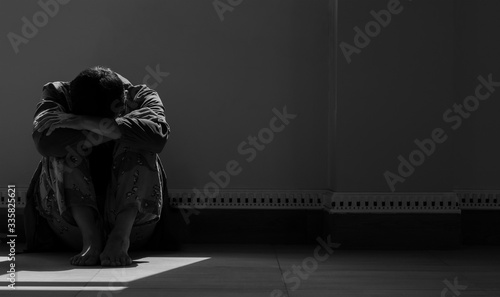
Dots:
pixel 54 120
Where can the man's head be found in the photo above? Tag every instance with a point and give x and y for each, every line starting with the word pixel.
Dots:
pixel 97 91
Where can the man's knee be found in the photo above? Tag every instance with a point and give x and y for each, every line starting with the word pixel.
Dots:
pixel 125 158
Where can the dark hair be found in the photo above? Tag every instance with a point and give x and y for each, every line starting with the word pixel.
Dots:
pixel 96 91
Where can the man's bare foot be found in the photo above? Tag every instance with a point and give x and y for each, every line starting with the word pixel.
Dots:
pixel 90 253
pixel 92 236
pixel 116 251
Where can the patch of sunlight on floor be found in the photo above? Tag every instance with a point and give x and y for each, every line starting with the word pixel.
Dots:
pixel 70 278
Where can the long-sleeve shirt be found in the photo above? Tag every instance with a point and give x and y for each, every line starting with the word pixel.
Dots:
pixel 142 125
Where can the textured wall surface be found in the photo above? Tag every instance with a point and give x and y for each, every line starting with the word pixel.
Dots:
pixel 229 67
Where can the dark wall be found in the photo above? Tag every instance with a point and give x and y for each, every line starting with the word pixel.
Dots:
pixel 394 90
pixel 225 78
pixel 478 54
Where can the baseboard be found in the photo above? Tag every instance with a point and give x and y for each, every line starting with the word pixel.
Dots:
pixel 20 196
pixel 248 226
pixel 479 199
pixel 340 202
pixel 367 220
pixel 393 203
pixel 395 230
pixel 251 199
pixel 333 202
pixel 480 227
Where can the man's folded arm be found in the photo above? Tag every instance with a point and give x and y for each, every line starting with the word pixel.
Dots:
pixel 144 127
pixel 59 142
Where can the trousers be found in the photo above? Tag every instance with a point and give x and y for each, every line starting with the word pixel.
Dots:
pixel 108 178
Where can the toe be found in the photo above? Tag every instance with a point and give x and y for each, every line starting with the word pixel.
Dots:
pixel 90 261
pixel 105 262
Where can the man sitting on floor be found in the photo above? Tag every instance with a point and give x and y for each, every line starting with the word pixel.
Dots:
pixel 100 182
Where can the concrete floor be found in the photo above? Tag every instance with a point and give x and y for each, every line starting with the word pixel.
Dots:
pixel 265 270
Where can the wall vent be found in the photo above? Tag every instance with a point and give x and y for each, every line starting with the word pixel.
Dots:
pixel 481 200
pixel 340 202
pixel 252 199
pixel 20 197
pixel 393 203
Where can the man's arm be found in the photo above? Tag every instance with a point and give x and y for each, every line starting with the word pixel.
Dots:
pixel 106 127
pixel 56 144
pixel 53 101
pixel 103 126
pixel 144 125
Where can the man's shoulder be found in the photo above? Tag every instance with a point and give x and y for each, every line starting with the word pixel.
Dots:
pixel 125 81
pixel 57 91
pixel 56 87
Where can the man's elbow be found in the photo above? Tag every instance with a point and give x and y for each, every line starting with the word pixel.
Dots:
pixel 159 144
pixel 47 150
pixel 46 147
pixel 160 138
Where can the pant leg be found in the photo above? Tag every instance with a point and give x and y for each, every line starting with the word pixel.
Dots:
pixel 64 183
pixel 136 182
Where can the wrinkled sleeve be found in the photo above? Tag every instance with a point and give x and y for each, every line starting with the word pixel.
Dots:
pixel 144 125
pixel 56 145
